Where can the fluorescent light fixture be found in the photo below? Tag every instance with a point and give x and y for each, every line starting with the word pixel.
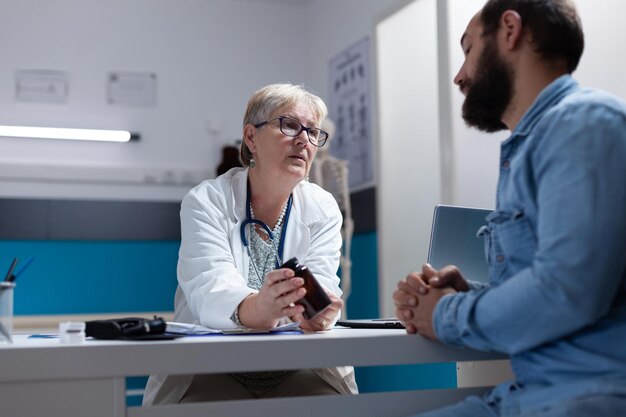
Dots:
pixel 69 134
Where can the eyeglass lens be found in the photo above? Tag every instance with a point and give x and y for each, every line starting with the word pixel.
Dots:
pixel 292 127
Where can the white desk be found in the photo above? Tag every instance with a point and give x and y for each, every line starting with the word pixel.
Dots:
pixel 43 377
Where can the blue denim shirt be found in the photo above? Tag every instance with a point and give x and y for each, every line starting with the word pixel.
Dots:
pixel 556 246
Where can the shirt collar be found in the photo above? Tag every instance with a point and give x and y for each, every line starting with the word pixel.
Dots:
pixel 240 184
pixel 548 97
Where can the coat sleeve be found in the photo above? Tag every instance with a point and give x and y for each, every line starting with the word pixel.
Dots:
pixel 207 272
pixel 577 268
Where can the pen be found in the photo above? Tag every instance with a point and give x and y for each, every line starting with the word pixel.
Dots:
pixel 9 276
pixel 18 273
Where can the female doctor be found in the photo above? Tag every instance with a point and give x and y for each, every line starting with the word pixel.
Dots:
pixel 238 228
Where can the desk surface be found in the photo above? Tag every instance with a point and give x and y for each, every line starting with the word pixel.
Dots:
pixel 44 376
pixel 30 359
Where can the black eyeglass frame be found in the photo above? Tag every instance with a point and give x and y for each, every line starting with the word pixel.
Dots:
pixel 320 142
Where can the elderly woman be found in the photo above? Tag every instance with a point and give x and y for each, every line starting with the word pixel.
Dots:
pixel 236 231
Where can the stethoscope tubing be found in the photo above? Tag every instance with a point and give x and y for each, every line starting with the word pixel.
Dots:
pixel 250 221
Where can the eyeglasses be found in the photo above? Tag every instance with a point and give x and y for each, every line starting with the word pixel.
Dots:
pixel 291 127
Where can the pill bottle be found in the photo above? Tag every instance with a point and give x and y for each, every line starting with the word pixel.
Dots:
pixel 315 300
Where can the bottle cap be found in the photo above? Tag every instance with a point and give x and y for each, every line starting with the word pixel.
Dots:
pixel 72 332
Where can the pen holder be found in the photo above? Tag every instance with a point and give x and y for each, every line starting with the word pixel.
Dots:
pixel 6 311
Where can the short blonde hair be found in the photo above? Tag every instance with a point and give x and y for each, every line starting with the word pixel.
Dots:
pixel 275 96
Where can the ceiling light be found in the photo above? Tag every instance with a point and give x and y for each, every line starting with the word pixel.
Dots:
pixel 68 134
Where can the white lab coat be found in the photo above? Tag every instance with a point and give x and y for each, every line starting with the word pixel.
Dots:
pixel 213 263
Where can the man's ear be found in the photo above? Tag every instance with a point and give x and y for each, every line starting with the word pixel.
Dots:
pixel 249 137
pixel 512 26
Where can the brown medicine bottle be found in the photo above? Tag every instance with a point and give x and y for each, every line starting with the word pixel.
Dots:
pixel 315 300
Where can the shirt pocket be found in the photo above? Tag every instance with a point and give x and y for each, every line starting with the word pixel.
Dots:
pixel 493 252
pixel 513 242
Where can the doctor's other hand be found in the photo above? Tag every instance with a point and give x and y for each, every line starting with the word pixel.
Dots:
pixel 274 301
pixel 325 319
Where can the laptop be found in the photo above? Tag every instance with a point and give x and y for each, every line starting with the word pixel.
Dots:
pixel 454 240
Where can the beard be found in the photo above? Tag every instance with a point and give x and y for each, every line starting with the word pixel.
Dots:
pixel 489 92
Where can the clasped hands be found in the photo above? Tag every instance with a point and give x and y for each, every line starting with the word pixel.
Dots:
pixel 277 299
pixel 417 295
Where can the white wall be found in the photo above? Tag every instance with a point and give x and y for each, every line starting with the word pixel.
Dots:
pixel 603 64
pixel 408 149
pixel 209 56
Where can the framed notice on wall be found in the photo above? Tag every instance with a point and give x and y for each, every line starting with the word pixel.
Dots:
pixel 41 86
pixel 349 107
pixel 132 89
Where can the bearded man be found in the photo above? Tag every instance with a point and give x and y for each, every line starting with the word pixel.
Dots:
pixel 556 242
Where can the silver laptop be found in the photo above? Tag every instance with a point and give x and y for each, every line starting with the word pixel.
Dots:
pixel 454 240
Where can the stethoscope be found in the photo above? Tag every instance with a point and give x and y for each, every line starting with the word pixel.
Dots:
pixel 255 222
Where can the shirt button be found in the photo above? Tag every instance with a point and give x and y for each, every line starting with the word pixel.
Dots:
pixel 505 163
pixel 500 258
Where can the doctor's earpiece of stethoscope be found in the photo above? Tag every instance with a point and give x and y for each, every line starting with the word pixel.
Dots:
pixel 253 222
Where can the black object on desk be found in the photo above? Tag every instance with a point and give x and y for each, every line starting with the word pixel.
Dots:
pixel 372 324
pixel 129 328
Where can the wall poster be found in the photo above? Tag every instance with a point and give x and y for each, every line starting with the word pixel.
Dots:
pixel 349 107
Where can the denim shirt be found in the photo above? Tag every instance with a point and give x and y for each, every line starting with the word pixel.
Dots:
pixel 556 246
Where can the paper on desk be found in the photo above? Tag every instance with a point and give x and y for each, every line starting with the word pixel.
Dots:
pixel 188 328
pixel 197 329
